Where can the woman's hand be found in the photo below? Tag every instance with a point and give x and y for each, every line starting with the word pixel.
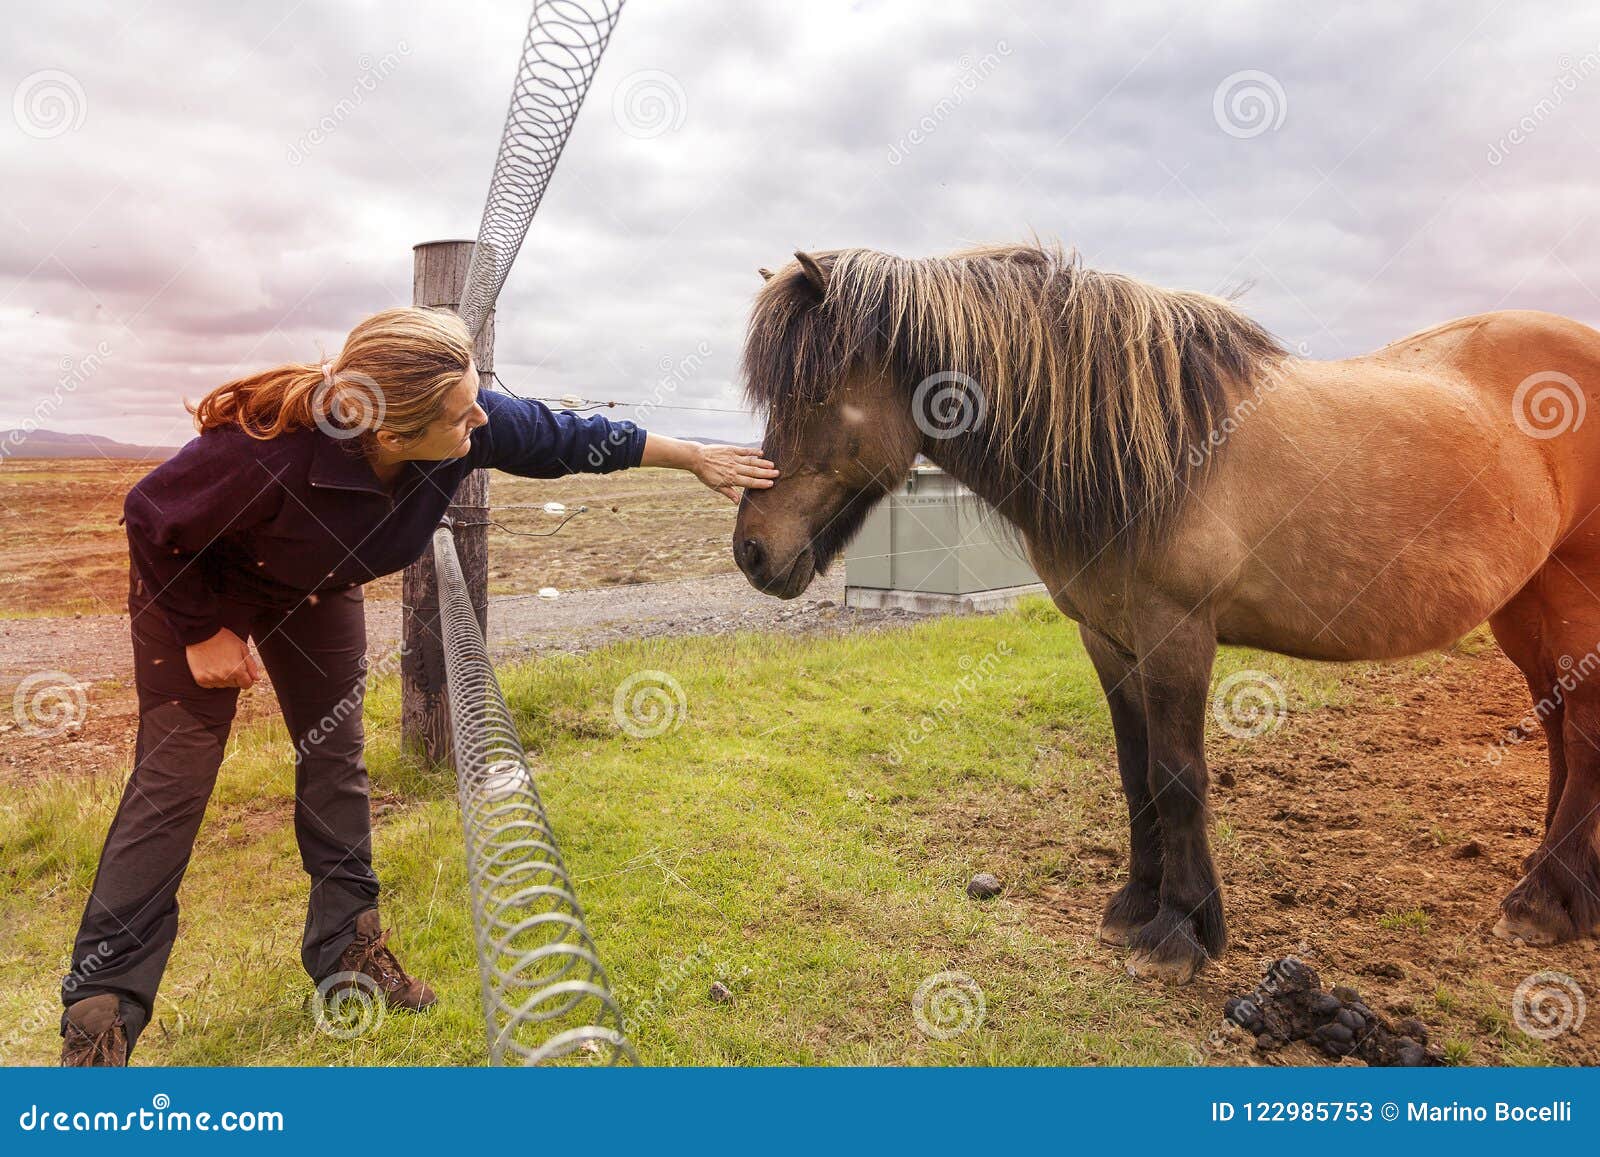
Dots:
pixel 727 469
pixel 223 660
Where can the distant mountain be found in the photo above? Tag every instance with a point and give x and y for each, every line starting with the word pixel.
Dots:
pixel 720 442
pixel 54 444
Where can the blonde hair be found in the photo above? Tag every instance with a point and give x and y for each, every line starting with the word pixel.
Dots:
pixel 1090 386
pixel 397 365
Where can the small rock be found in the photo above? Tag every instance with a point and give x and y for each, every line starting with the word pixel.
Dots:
pixel 826 604
pixel 1225 778
pixel 1385 968
pixel 721 993
pixel 1470 850
pixel 984 886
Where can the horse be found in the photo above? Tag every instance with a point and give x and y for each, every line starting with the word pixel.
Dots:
pixel 1180 480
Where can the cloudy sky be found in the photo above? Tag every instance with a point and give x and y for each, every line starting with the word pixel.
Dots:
pixel 194 190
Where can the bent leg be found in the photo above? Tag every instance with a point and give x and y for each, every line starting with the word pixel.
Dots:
pixel 131 918
pixel 316 656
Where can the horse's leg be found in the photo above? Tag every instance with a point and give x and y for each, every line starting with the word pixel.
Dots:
pixel 1559 896
pixel 1175 651
pixel 1136 902
pixel 1518 628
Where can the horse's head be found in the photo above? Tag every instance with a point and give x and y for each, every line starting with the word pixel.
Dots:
pixel 837 428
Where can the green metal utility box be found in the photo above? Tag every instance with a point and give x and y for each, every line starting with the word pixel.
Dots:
pixel 934 537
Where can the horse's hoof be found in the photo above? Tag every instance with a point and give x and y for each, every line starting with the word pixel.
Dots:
pixel 1176 971
pixel 1116 935
pixel 1523 931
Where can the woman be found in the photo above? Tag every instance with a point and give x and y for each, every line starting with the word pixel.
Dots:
pixel 306 481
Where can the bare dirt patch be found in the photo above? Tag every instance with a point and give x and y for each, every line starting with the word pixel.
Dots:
pixel 1374 840
pixel 61 550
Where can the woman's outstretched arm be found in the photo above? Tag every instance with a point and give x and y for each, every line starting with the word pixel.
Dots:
pixel 726 469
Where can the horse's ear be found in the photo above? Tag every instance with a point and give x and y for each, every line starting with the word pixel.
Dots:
pixel 766 274
pixel 814 272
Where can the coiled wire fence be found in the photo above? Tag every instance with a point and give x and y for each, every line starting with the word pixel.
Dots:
pixel 559 57
pixel 545 992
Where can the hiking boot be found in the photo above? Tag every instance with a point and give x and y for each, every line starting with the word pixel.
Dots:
pixel 369 954
pixel 95 1036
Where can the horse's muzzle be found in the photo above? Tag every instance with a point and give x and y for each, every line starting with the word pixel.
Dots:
pixel 756 564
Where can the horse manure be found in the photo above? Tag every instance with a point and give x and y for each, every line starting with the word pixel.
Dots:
pixel 1290 1004
pixel 1384 968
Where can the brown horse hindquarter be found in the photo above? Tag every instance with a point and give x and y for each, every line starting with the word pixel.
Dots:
pixel 1380 507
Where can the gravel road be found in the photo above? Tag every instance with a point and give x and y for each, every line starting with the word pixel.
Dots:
pixel 96 647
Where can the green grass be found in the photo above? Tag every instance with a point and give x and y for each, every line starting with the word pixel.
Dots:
pixel 1416 920
pixel 801 837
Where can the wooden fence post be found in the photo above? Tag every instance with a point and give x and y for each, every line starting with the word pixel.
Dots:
pixel 440 274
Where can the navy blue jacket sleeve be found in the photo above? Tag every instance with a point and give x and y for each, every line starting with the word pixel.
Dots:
pixel 219 482
pixel 524 436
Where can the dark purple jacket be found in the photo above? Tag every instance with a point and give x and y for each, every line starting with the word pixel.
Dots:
pixel 267 522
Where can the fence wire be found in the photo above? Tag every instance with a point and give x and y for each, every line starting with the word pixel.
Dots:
pixel 559 57
pixel 545 993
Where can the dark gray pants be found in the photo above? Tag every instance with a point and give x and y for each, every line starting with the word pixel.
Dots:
pixel 315 655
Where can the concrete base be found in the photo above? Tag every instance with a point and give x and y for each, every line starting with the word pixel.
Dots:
pixel 929 603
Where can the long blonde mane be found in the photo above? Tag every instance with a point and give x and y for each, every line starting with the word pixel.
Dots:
pixel 1094 385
